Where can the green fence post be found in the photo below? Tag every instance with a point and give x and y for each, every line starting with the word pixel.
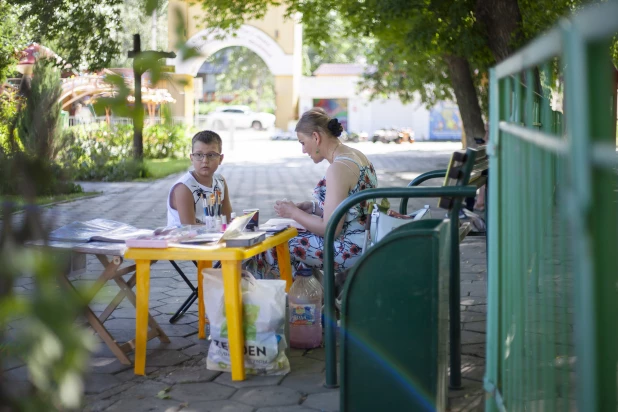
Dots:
pixel 592 210
pixel 491 379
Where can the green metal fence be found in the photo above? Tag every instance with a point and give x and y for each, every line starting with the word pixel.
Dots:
pixel 553 241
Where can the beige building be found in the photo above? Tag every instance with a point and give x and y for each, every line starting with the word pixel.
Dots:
pixel 278 41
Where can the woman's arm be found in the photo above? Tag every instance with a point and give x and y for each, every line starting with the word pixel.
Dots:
pixel 182 201
pixel 338 177
pixel 306 206
pixel 227 203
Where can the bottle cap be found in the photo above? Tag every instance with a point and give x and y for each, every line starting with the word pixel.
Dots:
pixel 303 270
pixel 223 220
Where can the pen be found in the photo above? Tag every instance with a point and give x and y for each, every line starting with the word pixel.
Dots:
pixel 204 204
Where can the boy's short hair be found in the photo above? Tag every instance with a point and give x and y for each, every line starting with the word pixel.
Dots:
pixel 207 137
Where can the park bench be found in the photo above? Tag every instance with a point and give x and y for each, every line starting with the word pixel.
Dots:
pixel 465 173
pixel 478 178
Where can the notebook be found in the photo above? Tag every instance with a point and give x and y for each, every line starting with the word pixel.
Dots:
pixel 246 239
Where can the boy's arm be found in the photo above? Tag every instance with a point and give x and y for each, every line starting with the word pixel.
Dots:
pixel 183 202
pixel 227 203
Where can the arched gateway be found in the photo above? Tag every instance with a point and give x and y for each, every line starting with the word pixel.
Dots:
pixel 276 40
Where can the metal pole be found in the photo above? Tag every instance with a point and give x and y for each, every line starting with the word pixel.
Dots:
pixel 455 302
pixel 138 118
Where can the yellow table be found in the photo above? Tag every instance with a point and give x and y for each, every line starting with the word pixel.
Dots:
pixel 231 259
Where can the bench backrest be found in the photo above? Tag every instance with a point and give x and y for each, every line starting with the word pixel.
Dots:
pixel 465 168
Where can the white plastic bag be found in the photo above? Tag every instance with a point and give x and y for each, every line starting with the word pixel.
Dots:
pixel 382 223
pixel 263 324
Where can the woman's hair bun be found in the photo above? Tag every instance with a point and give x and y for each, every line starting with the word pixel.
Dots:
pixel 335 127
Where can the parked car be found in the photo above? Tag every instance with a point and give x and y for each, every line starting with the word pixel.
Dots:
pixel 385 135
pixel 242 117
pixel 281 135
pixel 393 134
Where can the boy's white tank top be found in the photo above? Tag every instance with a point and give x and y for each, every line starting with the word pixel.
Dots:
pixel 197 190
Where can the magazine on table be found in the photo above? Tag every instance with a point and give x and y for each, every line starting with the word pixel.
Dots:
pixel 97 230
pixel 161 238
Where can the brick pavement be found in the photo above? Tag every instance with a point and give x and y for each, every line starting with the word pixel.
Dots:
pixel 179 366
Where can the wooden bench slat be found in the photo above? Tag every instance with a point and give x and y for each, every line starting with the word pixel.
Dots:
pixel 455 173
pixel 478 181
pixel 464 229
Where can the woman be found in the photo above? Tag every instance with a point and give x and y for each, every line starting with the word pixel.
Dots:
pixel 349 172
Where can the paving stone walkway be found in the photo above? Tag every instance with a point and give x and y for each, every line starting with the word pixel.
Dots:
pixel 178 368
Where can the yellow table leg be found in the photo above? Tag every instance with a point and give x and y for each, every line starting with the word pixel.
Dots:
pixel 142 272
pixel 233 310
pixel 201 310
pixel 285 267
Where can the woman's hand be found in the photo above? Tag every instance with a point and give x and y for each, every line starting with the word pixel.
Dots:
pixel 285 208
pixel 306 207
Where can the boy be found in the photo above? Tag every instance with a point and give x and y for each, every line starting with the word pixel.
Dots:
pixel 185 196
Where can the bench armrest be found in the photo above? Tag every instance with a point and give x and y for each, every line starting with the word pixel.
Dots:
pixel 434 174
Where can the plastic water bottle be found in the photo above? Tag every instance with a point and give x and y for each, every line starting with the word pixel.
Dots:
pixel 305 301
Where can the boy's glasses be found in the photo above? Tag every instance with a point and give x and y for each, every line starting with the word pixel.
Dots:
pixel 209 156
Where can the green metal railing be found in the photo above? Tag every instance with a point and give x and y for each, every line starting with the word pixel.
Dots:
pixel 553 226
pixel 330 320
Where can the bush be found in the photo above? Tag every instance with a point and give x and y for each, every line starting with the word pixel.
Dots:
pixel 27 165
pixel 38 176
pixel 39 121
pixel 164 141
pixel 106 153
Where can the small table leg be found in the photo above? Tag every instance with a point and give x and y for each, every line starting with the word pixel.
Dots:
pixel 192 297
pixel 141 316
pixel 184 307
pixel 233 310
pixel 285 267
pixel 201 310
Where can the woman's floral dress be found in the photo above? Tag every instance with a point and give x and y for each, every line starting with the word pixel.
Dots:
pixel 308 248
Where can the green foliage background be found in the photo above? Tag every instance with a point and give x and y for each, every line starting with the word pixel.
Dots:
pixel 104 153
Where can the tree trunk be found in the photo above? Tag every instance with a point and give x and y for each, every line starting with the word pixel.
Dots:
pixel 467 99
pixel 502 20
pixel 153 30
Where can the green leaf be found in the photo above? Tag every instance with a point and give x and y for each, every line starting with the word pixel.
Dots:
pixel 164 394
pixel 384 205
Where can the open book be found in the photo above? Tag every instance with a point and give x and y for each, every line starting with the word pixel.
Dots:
pixel 97 230
pixel 198 235
pixel 162 237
